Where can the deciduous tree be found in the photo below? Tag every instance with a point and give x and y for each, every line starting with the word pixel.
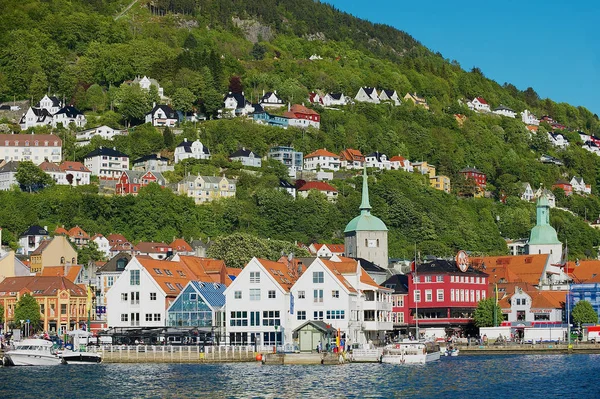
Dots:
pixel 27 308
pixel 583 312
pixel 484 314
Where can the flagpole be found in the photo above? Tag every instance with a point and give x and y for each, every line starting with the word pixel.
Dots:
pixel 416 278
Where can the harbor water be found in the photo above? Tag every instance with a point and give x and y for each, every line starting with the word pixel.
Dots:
pixel 498 376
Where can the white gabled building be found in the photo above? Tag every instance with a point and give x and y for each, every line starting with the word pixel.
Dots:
pixel 339 292
pixel 68 115
pixel 529 119
pixel 271 100
pixel 107 163
pixel 191 149
pixel 143 291
pixel 479 104
pixel 377 160
pixel 105 132
pixel 367 95
pixel 258 305
pixel 322 159
pixel 335 99
pixel 162 115
pixel 504 111
pixel 527 193
pixel 579 185
pixel 390 95
pixel 103 244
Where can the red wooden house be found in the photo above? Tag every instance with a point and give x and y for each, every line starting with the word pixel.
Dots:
pixel 131 181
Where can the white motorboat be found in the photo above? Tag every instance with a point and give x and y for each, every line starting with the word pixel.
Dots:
pixel 32 352
pixel 450 351
pixel 407 352
pixel 80 354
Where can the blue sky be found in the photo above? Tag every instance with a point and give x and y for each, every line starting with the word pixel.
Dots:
pixel 552 46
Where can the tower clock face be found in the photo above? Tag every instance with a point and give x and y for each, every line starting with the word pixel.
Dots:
pixel 371 243
pixel 462 261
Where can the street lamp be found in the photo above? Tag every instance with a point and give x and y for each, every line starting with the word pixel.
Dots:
pixel 496 300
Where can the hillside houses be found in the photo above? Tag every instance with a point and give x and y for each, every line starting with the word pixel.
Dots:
pixel 416 100
pixel 329 191
pixel 51 111
pixel 28 147
pixel 191 149
pixel 479 104
pixel 529 119
pixel 246 157
pixel 207 188
pixel 352 159
pixel 236 104
pixel 504 111
pixel 367 95
pixel 322 160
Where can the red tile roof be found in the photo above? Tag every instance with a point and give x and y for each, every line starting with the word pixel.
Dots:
pixel 13 139
pixel 49 167
pixel 481 100
pixel 321 153
pixel 40 286
pixel 41 247
pixel 67 166
pixel 172 277
pixel 78 232
pixel 333 267
pixel 317 185
pixel 301 109
pixel 180 245
pixel 61 230
pixel 151 247
pixel 585 271
pixel 280 273
pixel 350 154
pixel 72 272
pixel 116 238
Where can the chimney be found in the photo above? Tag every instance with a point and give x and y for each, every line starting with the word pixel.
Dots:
pixel 185 139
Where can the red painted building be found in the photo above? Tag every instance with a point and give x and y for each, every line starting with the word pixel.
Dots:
pixel 566 187
pixel 130 181
pixel 443 295
pixel 477 176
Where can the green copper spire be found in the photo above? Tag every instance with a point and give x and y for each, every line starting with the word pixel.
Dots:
pixel 543 232
pixel 365 221
pixel 365 206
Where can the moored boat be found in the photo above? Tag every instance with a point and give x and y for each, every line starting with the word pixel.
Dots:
pixel 407 352
pixel 80 354
pixel 32 352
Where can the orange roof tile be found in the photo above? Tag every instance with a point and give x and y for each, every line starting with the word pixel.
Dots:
pixel 49 167
pixel 350 154
pixel 397 158
pixel 61 230
pixel 547 299
pixel 68 166
pixel 78 232
pixel 279 272
pixel 40 286
pixel 171 276
pixel 321 153
pixel 116 238
pixel 336 248
pixel 333 266
pixel 520 268
pixel 585 271
pixel 180 245
pixel 72 272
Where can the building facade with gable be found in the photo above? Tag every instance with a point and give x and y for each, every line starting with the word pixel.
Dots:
pixel 36 148
pixel 187 149
pixel 106 163
pixel 207 188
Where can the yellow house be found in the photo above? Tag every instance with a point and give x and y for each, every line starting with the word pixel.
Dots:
pixel 207 188
pixel 62 302
pixel 441 183
pixel 416 100
pixel 10 265
pixel 424 168
pixel 57 251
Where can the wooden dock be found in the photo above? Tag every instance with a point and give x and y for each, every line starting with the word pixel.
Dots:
pixel 529 349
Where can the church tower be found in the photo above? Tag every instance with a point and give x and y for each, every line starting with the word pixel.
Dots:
pixel 366 236
pixel 543 239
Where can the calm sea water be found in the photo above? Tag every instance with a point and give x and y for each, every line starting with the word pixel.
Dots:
pixel 544 376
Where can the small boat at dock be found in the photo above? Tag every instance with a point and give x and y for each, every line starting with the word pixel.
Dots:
pixel 32 352
pixel 409 352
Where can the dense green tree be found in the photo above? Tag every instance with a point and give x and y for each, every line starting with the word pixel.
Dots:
pixel 31 177
pixel 168 138
pixel 27 308
pixel 484 314
pixel 583 312
pixel 183 99
pixel 258 51
pixel 132 102
pixel 88 253
pixel 95 98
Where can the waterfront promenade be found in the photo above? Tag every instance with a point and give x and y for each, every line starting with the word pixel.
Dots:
pixel 531 349
pixel 176 354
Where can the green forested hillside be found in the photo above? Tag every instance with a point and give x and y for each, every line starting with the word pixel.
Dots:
pixel 83 50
